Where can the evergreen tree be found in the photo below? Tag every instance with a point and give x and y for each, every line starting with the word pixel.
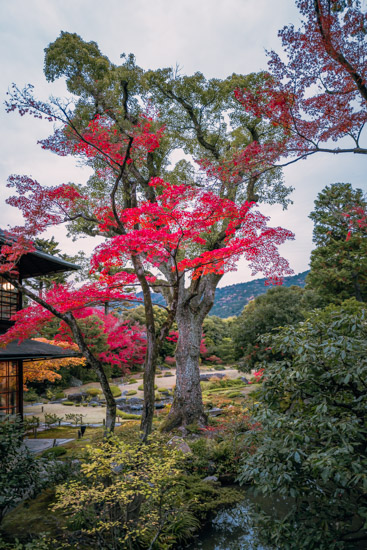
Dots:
pixel 339 262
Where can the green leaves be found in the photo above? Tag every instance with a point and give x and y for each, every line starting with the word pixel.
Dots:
pixel 311 446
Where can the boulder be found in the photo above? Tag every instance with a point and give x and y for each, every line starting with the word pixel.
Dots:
pixel 77 397
pixel 75 382
pixel 211 479
pixel 215 412
pixel 180 444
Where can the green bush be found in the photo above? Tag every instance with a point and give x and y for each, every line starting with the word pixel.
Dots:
pixel 54 452
pixel 169 373
pixel 132 381
pixel 59 395
pixel 233 394
pixel 312 444
pixel 131 392
pixel 30 396
pixel 141 387
pixel 68 403
pixel 116 392
pixel 153 511
pixel 127 416
pixel 163 390
pixel 19 470
pixel 93 392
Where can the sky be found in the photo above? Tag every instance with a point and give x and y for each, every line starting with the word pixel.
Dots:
pixel 215 37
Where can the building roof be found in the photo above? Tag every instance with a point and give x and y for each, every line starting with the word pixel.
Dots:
pixel 33 350
pixel 39 263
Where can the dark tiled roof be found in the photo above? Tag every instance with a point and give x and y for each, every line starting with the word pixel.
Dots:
pixel 31 349
pixel 39 263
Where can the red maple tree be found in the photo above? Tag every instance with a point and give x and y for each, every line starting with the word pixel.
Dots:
pixel 317 95
pixel 176 229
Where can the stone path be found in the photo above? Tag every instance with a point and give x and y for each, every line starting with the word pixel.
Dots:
pixel 40 445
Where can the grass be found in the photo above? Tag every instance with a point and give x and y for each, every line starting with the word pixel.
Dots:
pixel 127 416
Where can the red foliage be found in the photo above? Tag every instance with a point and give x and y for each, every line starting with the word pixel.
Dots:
pixel 319 92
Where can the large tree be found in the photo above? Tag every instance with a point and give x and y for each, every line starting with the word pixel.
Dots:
pixel 113 127
pixel 339 261
pixel 267 313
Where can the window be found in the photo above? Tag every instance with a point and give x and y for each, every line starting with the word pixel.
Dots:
pixel 9 299
pixel 9 382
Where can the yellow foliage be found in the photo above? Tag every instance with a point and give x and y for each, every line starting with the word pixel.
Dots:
pixel 46 369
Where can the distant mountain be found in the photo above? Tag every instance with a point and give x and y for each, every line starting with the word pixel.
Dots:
pixel 230 300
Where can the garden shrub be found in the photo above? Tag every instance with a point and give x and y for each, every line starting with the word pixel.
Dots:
pixel 127 416
pixel 31 396
pixel 131 392
pixel 93 392
pixel 20 472
pixel 312 443
pixel 116 392
pixel 128 496
pixel 54 452
pixel 68 403
pixel 141 387
pixel 132 381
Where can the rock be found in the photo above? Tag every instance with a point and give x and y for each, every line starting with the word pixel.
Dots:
pixel 180 444
pixel 75 382
pixel 244 379
pixel 135 407
pixel 215 412
pixel 211 479
pixel 159 405
pixel 209 375
pixel 77 397
pixel 135 401
pixel 120 400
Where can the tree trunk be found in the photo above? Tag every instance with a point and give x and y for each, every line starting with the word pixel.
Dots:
pixel 99 370
pixel 194 305
pixel 187 407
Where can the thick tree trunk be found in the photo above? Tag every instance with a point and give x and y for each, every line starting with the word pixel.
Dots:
pixel 193 306
pixel 187 407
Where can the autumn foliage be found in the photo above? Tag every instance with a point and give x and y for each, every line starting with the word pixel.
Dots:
pixel 317 93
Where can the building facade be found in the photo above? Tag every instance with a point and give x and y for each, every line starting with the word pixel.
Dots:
pixel 31 265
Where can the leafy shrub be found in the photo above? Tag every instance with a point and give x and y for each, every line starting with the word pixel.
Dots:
pixel 116 392
pixel 20 472
pixel 141 387
pixel 312 407
pixel 131 392
pixel 30 396
pixel 127 416
pixel 133 381
pixel 68 403
pixel 59 395
pixel 54 452
pixel 93 392
pixel 168 373
pixel 163 390
pixel 139 486
pixel 51 419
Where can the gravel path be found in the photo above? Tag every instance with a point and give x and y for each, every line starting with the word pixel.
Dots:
pixel 97 414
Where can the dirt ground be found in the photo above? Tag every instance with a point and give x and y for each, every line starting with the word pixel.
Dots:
pixel 97 414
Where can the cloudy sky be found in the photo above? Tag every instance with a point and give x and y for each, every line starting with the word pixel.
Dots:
pixel 216 37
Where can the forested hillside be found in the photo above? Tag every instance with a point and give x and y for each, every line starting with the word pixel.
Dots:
pixel 230 300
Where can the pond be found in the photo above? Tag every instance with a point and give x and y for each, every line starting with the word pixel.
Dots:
pixel 234 528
